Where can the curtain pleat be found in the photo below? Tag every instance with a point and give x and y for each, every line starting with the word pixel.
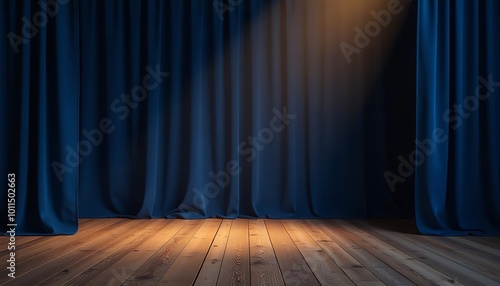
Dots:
pixel 199 109
pixel 457 191
pixel 39 114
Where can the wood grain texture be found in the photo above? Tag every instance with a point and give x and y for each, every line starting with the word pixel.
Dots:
pixel 370 258
pixel 32 251
pixel 392 254
pixel 209 272
pixel 264 265
pixel 459 268
pixel 235 269
pixel 294 267
pixel 107 264
pixel 253 252
pixel 137 255
pixel 325 269
pixel 185 268
pixel 69 258
pixel 353 268
pixel 151 270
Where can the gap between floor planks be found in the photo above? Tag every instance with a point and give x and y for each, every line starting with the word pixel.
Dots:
pixel 252 252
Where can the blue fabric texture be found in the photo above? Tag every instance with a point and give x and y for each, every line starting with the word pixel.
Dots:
pixel 39 78
pixel 458 89
pixel 277 109
pixel 247 112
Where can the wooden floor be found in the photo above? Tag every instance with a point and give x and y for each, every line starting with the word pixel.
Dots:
pixel 252 252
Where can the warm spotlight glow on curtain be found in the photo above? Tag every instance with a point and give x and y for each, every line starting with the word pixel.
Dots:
pixel 193 109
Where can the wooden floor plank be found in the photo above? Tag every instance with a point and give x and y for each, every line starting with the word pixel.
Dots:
pixel 381 266
pixel 294 267
pixel 31 250
pixel 104 265
pixel 20 240
pixel 185 268
pixel 479 246
pixel 253 252
pixel 393 254
pixel 324 268
pixel 235 269
pixel 31 241
pixel 453 266
pixel 30 259
pixel 135 256
pixel 263 262
pixel 353 268
pixel 66 259
pixel 477 260
pixel 109 246
pixel 490 241
pixel 92 265
pixel 209 273
pixel 151 270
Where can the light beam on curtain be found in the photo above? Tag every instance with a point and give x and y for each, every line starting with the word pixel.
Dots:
pixel 148 106
pixel 227 81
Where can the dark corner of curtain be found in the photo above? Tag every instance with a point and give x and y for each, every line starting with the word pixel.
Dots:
pixel 39 113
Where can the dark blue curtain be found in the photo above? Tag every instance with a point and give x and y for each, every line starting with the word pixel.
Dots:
pixel 458 180
pixel 255 111
pixel 193 109
pixel 38 113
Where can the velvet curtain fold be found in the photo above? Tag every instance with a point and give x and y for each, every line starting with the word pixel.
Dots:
pixel 190 109
pixel 39 79
pixel 458 88
pixel 259 114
